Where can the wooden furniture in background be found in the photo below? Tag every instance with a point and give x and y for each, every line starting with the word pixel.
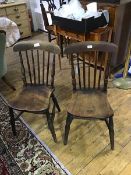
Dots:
pixel 89 100
pixel 97 35
pixel 48 27
pixel 38 71
pixel 112 8
pixel 120 21
pixel 18 13
pixel 100 34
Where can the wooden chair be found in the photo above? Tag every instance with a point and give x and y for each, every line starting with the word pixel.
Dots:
pixel 45 13
pixel 38 71
pixel 50 27
pixel 3 64
pixel 89 80
pixel 51 8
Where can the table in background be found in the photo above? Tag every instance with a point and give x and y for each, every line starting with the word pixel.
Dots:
pixel 100 34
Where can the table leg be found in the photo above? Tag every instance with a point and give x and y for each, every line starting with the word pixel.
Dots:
pixel 58 43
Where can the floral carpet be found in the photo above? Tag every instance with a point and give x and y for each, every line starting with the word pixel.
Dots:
pixel 24 154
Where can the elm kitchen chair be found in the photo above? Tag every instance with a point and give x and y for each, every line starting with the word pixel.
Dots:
pixel 38 71
pixel 51 8
pixel 89 80
pixel 3 64
pixel 50 27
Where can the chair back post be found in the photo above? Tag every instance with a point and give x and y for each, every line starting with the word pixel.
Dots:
pixel 62 2
pixel 37 62
pixel 73 73
pixel 3 65
pixel 106 72
pixel 44 15
pixel 51 4
pixel 45 12
pixel 53 71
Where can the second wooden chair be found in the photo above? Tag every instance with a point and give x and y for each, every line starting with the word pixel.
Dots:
pixel 90 71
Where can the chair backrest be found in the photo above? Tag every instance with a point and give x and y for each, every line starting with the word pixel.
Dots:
pixel 62 2
pixel 45 12
pixel 3 65
pixel 90 64
pixel 51 4
pixel 37 60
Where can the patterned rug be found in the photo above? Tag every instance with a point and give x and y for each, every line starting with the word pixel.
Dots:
pixel 24 154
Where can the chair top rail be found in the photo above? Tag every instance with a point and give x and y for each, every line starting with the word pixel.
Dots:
pixel 86 46
pixel 36 45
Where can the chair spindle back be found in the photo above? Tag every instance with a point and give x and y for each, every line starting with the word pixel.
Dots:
pixel 90 64
pixel 37 62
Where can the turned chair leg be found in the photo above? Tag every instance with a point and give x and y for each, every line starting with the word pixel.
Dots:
pixel 56 102
pixel 12 121
pixel 61 44
pixel 49 36
pixel 111 132
pixel 110 125
pixel 67 128
pixel 59 58
pixel 8 83
pixel 51 126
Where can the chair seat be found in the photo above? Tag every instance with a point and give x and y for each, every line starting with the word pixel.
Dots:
pixel 90 104
pixel 32 98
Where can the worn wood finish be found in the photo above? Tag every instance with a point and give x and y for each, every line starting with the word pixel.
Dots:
pixel 88 151
pixel 36 93
pixel 90 102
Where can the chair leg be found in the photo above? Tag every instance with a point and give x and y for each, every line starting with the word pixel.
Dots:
pixel 12 121
pixel 111 132
pixel 8 83
pixel 51 126
pixel 53 112
pixel 59 57
pixel 58 43
pixel 61 44
pixel 107 122
pixel 56 102
pixel 49 36
pixel 67 128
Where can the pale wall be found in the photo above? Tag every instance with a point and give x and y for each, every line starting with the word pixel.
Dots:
pixel 125 1
pixel 20 0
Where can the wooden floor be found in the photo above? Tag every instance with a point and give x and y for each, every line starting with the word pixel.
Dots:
pixel 88 150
